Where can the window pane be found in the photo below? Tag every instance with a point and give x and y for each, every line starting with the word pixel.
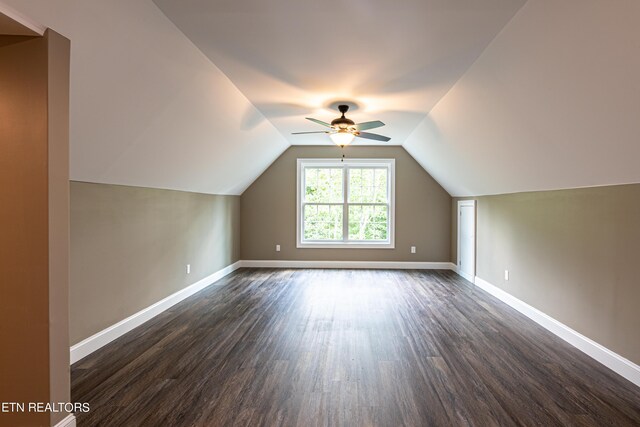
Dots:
pixel 368 222
pixel 323 185
pixel 380 183
pixel 323 222
pixel 368 185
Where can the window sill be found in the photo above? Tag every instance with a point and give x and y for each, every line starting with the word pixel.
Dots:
pixel 351 245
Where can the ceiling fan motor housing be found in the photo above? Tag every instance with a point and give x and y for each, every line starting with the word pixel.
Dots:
pixel 342 122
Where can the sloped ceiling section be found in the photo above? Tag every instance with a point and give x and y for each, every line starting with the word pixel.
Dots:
pixel 294 58
pixel 147 107
pixel 12 23
pixel 553 102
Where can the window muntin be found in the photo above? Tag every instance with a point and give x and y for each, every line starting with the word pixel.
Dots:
pixel 368 185
pixel 323 222
pixel 348 203
pixel 323 185
pixel 368 222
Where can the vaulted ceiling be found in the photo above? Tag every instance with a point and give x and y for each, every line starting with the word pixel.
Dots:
pixel 291 59
pixel 147 108
pixel 553 102
pixel 490 97
pixel 12 23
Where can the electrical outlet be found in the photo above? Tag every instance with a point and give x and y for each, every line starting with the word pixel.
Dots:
pixel 188 268
pixel 506 275
pixel 413 249
pixel 277 248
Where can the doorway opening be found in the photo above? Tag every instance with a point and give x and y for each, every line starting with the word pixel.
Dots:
pixel 467 239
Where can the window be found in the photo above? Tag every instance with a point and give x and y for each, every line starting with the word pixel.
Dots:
pixel 346 204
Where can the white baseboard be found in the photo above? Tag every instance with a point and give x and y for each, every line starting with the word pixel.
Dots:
pixel 390 265
pixel 100 339
pixel 69 421
pixel 467 276
pixel 608 358
pixel 104 337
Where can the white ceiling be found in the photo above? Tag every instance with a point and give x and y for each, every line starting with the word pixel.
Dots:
pixel 13 23
pixel 519 98
pixel 553 102
pixel 147 108
pixel 292 58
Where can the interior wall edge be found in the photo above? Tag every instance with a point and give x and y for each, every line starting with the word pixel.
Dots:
pixel 59 52
pixel 25 264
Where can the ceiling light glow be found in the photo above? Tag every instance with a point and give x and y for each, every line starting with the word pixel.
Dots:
pixel 342 137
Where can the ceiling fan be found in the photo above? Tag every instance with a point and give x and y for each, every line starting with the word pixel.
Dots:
pixel 342 130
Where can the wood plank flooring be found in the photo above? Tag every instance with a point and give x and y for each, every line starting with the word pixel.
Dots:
pixel 268 347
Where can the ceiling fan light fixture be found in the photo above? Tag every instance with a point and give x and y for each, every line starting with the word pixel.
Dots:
pixel 342 137
pixel 342 130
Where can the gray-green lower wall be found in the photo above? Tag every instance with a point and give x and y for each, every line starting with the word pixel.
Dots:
pixel 130 247
pixel 572 254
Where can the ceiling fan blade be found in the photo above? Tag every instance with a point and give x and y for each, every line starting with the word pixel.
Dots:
pixel 375 136
pixel 320 122
pixel 315 131
pixel 369 125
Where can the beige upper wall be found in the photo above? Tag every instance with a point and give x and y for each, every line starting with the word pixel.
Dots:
pixel 423 211
pixel 572 254
pixel 130 247
pixel 553 102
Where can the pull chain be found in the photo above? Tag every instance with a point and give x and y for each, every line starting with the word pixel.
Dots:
pixel 342 148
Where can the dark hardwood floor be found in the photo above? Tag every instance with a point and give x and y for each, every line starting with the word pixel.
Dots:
pixel 346 348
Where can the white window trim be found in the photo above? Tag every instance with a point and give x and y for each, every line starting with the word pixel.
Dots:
pixel 391 182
